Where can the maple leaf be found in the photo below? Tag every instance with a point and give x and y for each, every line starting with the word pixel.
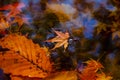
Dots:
pixel 3 24
pixel 116 33
pixel 33 53
pixel 14 9
pixel 89 72
pixel 61 39
pixel 102 76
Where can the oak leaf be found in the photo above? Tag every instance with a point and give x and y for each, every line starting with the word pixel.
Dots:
pixel 61 39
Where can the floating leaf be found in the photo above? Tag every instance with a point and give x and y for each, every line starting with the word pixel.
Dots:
pixel 14 9
pixel 61 39
pixel 90 71
pixel 64 75
pixel 15 64
pixel 27 49
pixel 102 76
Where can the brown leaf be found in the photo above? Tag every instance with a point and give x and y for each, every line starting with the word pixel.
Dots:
pixel 17 65
pixel 90 71
pixel 24 47
pixel 64 75
pixel 103 76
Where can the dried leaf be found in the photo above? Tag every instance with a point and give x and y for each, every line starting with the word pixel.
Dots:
pixel 14 9
pixel 3 24
pixel 17 65
pixel 102 76
pixel 64 75
pixel 89 72
pixel 61 39
pixel 27 49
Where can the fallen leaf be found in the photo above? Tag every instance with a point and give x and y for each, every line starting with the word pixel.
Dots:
pixel 61 39
pixel 14 8
pixel 27 49
pixel 102 76
pixel 63 75
pixel 3 24
pixel 15 64
pixel 90 71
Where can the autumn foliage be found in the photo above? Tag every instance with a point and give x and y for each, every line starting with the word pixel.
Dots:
pixel 51 40
pixel 90 72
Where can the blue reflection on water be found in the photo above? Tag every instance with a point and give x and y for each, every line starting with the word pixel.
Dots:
pixel 111 56
pixel 68 1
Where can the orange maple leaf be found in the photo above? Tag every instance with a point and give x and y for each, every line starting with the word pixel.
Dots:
pixel 61 39
pixel 102 76
pixel 90 71
pixel 14 9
